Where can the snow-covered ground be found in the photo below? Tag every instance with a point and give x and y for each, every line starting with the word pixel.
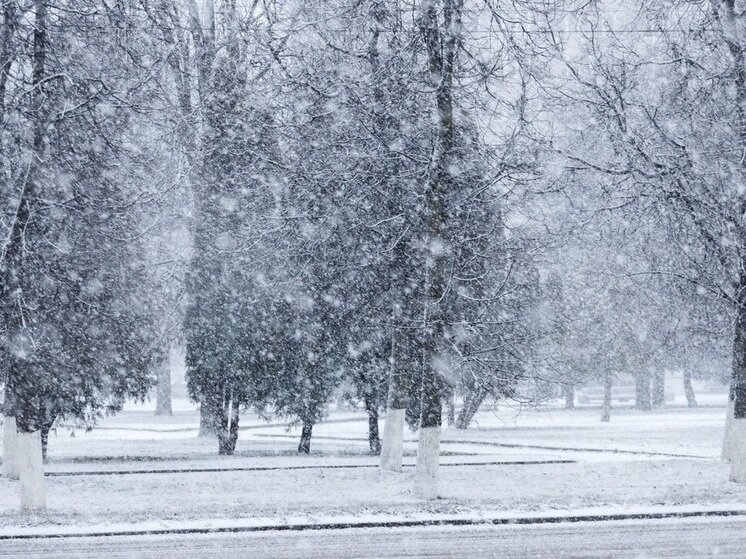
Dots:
pixel 666 457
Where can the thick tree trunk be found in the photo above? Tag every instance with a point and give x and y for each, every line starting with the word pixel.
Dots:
pixel 727 450
pixel 163 388
pixel 736 437
pixel 23 389
pixel 10 447
pixel 441 42
pixel 373 438
pixel 659 388
pixel 642 390
pixel 608 384
pixel 691 399
pixel 428 444
pixel 472 401
pixel 304 447
pixel 569 393
pixel 392 447
pixel 31 465
pixel 451 408
pixel 228 433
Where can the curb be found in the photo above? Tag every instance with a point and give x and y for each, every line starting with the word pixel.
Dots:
pixel 502 521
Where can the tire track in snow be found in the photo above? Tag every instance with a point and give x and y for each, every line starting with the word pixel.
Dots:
pixel 515 445
pixel 303 467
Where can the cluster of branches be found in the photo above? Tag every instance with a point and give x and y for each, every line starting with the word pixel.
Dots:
pixel 348 214
pixel 647 121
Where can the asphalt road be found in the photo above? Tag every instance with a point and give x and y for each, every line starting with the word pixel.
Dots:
pixel 692 538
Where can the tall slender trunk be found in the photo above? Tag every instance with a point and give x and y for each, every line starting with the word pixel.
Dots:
pixel 736 438
pixel 46 427
pixel 228 433
pixel 163 387
pixel 451 408
pixel 404 276
pixel 727 450
pixel 428 444
pixel 373 438
pixel 304 447
pixel 392 447
pixel 730 18
pixel 608 384
pixel 27 399
pixel 691 398
pixel 442 43
pixel 24 404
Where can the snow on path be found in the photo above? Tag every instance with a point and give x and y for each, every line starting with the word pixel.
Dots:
pixel 662 539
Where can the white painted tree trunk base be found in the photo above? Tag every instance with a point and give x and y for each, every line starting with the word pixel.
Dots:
pixel 10 448
pixel 738 450
pixel 428 461
pixel 33 495
pixel 392 447
pixel 727 450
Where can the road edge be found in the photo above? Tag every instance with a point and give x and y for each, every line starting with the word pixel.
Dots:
pixel 391 523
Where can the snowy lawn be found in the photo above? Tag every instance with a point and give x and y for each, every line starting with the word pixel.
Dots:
pixel 278 493
pixel 595 479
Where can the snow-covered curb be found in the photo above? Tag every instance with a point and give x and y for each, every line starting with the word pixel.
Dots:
pixel 594 514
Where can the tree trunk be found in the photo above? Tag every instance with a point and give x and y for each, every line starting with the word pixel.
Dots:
pixel 228 433
pixel 608 384
pixel 373 438
pixel 736 436
pixel 691 399
pixel 428 444
pixel 10 447
pixel 451 408
pixel 442 43
pixel 472 401
pixel 569 392
pixel 31 465
pixel 163 387
pixel 46 427
pixel 642 390
pixel 727 450
pixel 404 274
pixel 659 388
pixel 24 390
pixel 392 447
pixel 304 447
